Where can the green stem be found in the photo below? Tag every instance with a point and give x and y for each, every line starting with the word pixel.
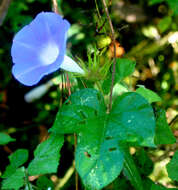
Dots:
pixel 26 180
pixel 100 88
pixel 97 9
pixel 131 171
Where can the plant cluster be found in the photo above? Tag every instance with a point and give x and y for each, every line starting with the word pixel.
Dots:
pixel 113 128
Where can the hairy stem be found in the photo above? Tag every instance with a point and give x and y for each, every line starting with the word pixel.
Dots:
pixel 68 85
pixel 55 7
pixel 75 136
pixel 114 64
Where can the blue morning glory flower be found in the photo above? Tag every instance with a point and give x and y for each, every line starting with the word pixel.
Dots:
pixel 39 49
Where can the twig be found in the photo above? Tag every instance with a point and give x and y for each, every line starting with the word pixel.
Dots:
pixel 172 148
pixel 68 85
pixel 62 89
pixel 66 177
pixel 173 120
pixel 114 64
pixel 85 86
pixel 4 5
pixel 55 6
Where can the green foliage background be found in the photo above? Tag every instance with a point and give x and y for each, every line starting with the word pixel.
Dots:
pixel 146 40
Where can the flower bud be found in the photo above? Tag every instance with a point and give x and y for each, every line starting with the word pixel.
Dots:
pixel 103 41
pixel 37 92
pixel 119 50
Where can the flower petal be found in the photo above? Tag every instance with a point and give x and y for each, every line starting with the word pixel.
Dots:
pixel 28 76
pixel 70 65
pixel 39 48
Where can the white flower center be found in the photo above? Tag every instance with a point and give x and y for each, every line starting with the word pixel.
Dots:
pixel 49 53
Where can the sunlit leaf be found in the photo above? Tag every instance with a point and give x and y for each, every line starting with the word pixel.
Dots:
pixel 164 134
pixel 18 158
pixel 148 94
pixel 164 24
pixel 160 187
pixel 132 120
pixel 15 181
pixel 172 167
pixel 124 67
pixel 46 156
pixel 81 106
pixel 131 171
pixel 5 139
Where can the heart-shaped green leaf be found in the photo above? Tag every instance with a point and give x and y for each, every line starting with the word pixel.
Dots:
pixel 99 154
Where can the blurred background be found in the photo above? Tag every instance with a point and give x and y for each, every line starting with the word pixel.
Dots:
pixel 146 29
